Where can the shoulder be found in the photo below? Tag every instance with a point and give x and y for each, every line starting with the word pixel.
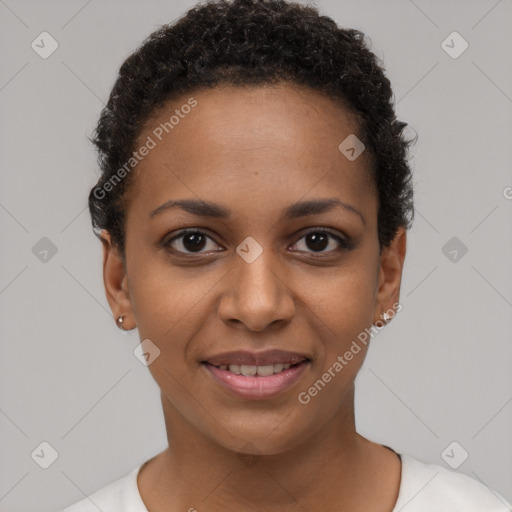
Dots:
pixel 118 496
pixel 429 487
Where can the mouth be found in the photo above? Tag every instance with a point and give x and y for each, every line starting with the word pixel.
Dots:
pixel 271 357
pixel 249 370
pixel 256 376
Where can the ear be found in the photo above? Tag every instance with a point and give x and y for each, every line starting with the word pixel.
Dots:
pixel 390 276
pixel 115 280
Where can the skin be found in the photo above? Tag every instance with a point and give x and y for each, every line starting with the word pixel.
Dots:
pixel 255 151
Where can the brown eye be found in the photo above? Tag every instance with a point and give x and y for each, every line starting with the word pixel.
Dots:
pixel 318 240
pixel 189 241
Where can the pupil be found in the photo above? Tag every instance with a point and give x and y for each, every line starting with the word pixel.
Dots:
pixel 193 241
pixel 319 241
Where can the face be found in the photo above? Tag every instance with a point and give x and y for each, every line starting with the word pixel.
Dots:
pixel 280 254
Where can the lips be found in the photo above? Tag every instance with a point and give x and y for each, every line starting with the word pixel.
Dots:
pixel 257 387
pixel 257 375
pixel 266 358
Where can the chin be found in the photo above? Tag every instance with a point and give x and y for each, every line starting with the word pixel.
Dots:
pixel 273 440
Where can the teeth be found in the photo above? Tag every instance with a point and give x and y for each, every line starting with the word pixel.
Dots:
pixel 250 370
pixel 234 368
pixel 266 370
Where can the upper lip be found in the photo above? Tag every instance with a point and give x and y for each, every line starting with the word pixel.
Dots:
pixel 266 357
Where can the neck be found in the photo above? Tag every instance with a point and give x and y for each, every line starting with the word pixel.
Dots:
pixel 333 465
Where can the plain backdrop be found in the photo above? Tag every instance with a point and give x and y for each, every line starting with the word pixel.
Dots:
pixel 438 374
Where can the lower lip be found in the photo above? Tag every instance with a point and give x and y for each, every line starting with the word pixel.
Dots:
pixel 256 387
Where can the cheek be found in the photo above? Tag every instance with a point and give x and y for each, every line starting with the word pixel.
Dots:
pixel 165 299
pixel 343 299
pixel 341 306
pixel 343 314
pixel 170 308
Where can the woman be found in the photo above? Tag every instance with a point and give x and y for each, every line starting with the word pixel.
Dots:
pixel 253 211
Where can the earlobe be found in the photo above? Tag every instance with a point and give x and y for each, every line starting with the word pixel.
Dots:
pixel 115 281
pixel 390 275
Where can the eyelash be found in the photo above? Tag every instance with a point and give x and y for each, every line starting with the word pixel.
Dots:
pixel 344 244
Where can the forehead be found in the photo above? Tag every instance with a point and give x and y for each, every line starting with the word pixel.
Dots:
pixel 267 143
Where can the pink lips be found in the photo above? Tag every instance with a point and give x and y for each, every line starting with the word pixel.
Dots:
pixel 256 387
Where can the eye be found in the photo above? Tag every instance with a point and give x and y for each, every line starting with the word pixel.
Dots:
pixel 192 240
pixel 318 240
pixel 195 240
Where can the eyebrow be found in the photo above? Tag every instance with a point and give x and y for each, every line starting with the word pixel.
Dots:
pixel 295 210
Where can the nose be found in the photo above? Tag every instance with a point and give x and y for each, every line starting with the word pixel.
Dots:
pixel 256 295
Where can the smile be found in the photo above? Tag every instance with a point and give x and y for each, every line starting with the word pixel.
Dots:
pixel 250 370
pixel 257 382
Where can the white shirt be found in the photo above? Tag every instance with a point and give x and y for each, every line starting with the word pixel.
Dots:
pixel 423 488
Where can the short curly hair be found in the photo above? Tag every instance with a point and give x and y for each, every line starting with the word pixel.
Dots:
pixel 253 42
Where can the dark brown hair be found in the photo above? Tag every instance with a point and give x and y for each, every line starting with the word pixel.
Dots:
pixel 253 42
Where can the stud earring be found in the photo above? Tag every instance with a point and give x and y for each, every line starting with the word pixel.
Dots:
pixel 385 317
pixel 120 324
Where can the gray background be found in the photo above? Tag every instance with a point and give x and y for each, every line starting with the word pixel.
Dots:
pixel 440 372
